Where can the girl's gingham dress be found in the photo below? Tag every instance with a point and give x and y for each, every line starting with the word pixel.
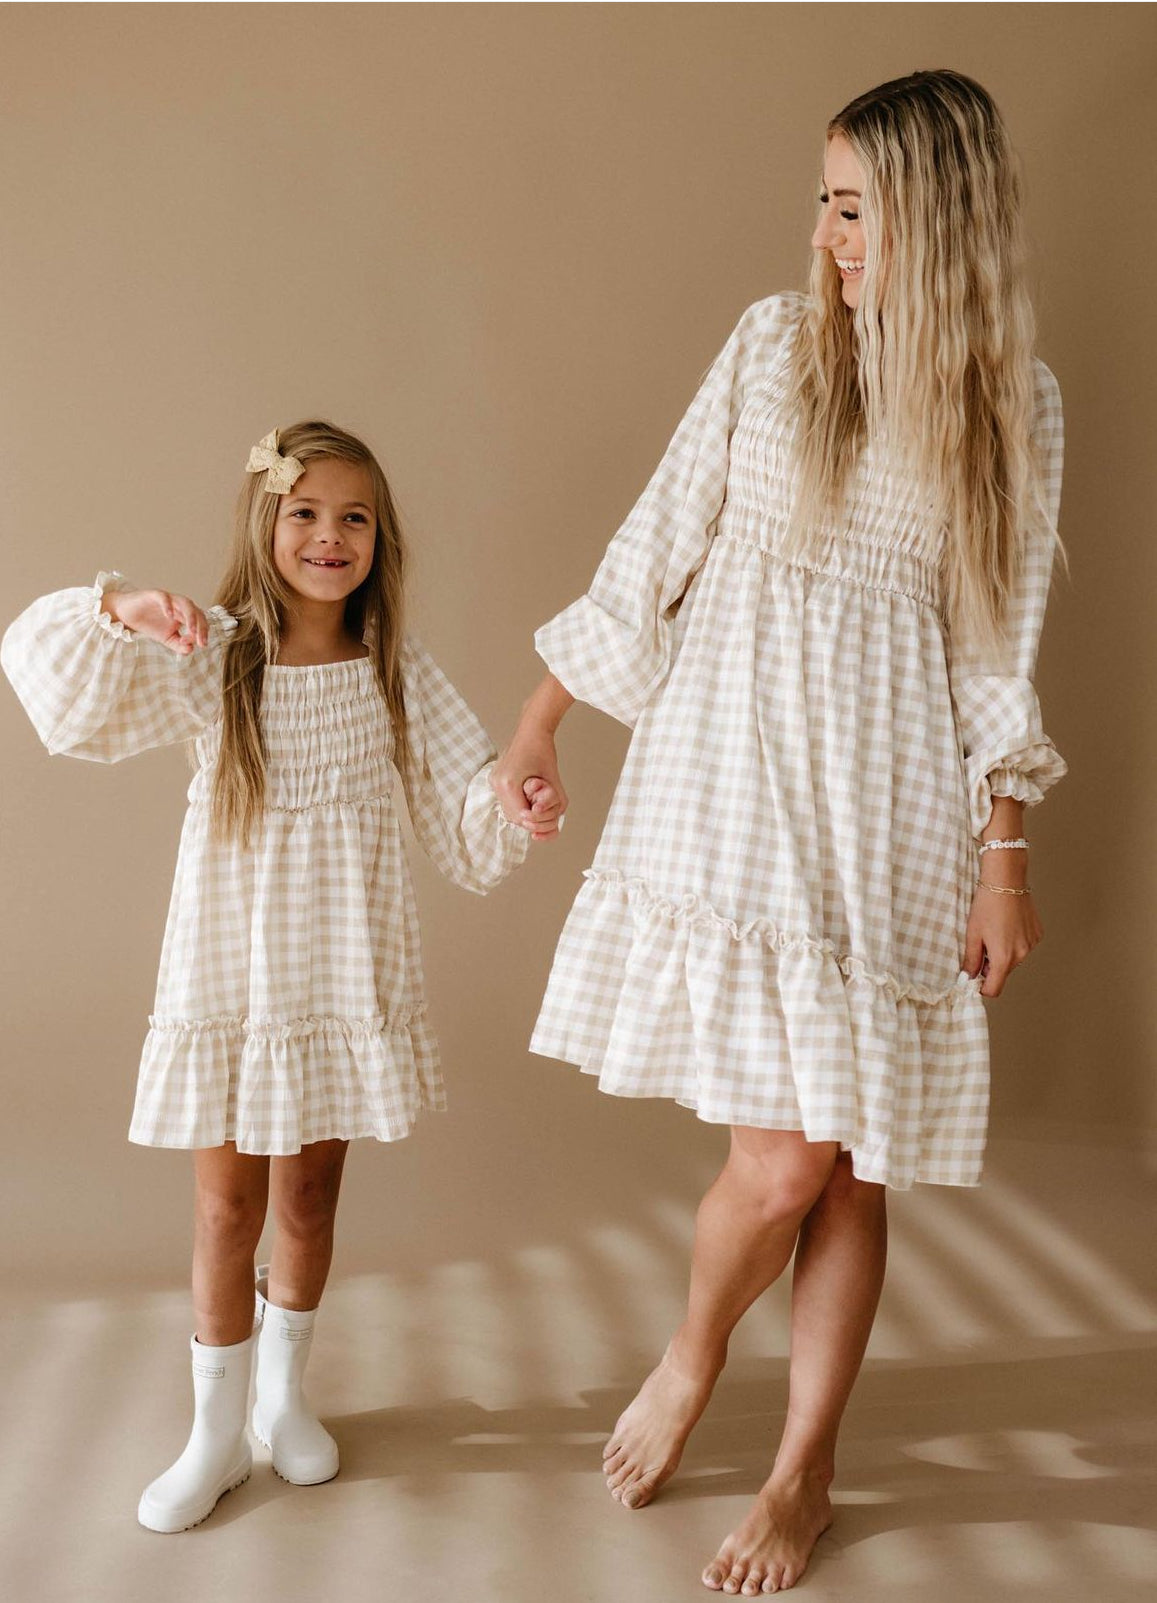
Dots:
pixel 289 1004
pixel 772 929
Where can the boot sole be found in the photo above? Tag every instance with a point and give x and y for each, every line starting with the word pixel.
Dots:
pixel 175 1530
pixel 314 1480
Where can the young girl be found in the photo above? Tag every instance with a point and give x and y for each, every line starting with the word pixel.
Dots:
pixel 822 621
pixel 289 1015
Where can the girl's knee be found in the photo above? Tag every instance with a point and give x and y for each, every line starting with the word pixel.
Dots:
pixel 231 1219
pixel 305 1202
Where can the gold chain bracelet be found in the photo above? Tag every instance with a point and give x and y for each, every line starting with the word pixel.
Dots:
pixel 1006 890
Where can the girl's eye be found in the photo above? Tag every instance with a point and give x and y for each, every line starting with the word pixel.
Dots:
pixel 358 517
pixel 302 512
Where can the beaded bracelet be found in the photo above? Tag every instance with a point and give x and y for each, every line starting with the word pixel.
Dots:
pixel 1006 890
pixel 997 845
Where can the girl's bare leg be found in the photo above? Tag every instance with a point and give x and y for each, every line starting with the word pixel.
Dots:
pixel 305 1189
pixel 231 1190
pixel 839 1271
pixel 745 1233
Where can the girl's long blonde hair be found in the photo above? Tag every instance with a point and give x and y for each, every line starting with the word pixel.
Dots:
pixel 256 595
pixel 935 362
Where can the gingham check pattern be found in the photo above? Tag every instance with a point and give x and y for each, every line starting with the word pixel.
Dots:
pixel 772 929
pixel 289 1003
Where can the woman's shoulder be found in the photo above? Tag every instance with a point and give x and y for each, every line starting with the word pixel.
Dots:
pixel 1048 412
pixel 764 331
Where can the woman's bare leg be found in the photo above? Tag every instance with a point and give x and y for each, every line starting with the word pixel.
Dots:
pixel 745 1232
pixel 305 1190
pixel 231 1190
pixel 839 1271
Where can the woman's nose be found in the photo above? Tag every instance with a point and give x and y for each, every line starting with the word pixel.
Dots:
pixel 826 235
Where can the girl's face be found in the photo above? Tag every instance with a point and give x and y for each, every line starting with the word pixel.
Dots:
pixel 323 537
pixel 840 230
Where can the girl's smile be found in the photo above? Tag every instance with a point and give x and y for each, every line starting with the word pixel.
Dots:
pixel 323 539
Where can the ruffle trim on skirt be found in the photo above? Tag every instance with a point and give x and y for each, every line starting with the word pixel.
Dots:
pixel 748 1024
pixel 274 1086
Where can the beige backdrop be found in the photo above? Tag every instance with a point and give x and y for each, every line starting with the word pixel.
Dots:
pixel 503 242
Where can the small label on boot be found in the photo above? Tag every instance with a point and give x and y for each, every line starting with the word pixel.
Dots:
pixel 295 1333
pixel 209 1373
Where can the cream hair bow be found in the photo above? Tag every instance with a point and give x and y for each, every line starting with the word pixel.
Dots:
pixel 282 472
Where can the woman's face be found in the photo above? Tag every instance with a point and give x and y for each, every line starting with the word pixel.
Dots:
pixel 840 230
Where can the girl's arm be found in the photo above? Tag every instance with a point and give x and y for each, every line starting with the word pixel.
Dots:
pixel 455 813
pixel 104 671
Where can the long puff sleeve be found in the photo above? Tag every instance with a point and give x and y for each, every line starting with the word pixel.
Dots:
pixel 455 813
pixel 1006 751
pixel 613 647
pixel 94 689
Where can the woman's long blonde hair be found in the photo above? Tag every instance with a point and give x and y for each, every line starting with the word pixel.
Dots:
pixel 256 595
pixel 936 360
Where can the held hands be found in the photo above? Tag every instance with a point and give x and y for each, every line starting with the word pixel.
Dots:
pixel 526 781
pixel 172 621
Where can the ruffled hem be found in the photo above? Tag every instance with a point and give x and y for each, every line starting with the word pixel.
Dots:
pixel 691 910
pixel 751 1025
pixel 275 1086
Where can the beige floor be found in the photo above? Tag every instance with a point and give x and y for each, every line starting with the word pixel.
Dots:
pixel 1000 1444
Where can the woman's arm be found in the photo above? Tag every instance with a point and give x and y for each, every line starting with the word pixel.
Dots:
pixel 530 754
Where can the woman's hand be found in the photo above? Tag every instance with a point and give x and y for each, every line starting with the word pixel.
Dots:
pixel 1001 930
pixel 172 621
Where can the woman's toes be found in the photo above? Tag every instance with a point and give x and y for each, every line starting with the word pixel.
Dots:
pixel 771 1584
pixel 713 1576
pixel 753 1582
pixel 619 1477
pixel 641 1492
pixel 614 1461
pixel 611 1449
pixel 735 1580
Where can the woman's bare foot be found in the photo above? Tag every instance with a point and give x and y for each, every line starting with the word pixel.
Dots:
pixel 647 1442
pixel 769 1551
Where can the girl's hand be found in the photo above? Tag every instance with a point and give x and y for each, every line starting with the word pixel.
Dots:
pixel 526 781
pixel 1001 932
pixel 545 813
pixel 172 621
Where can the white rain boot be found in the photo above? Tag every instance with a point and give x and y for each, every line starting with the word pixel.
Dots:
pixel 217 1456
pixel 304 1452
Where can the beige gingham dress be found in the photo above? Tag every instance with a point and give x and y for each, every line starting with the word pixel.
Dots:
pixel 772 930
pixel 290 1004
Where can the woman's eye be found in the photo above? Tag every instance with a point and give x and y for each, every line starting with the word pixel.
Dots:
pixel 852 217
pixel 823 200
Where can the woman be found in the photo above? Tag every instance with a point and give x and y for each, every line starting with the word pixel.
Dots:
pixel 822 621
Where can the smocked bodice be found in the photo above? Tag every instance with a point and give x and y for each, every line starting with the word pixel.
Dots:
pixel 327 734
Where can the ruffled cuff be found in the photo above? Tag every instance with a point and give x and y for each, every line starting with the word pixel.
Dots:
pixel 603 661
pixel 1006 751
pixel 109 584
pixel 1024 775
pixel 494 846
